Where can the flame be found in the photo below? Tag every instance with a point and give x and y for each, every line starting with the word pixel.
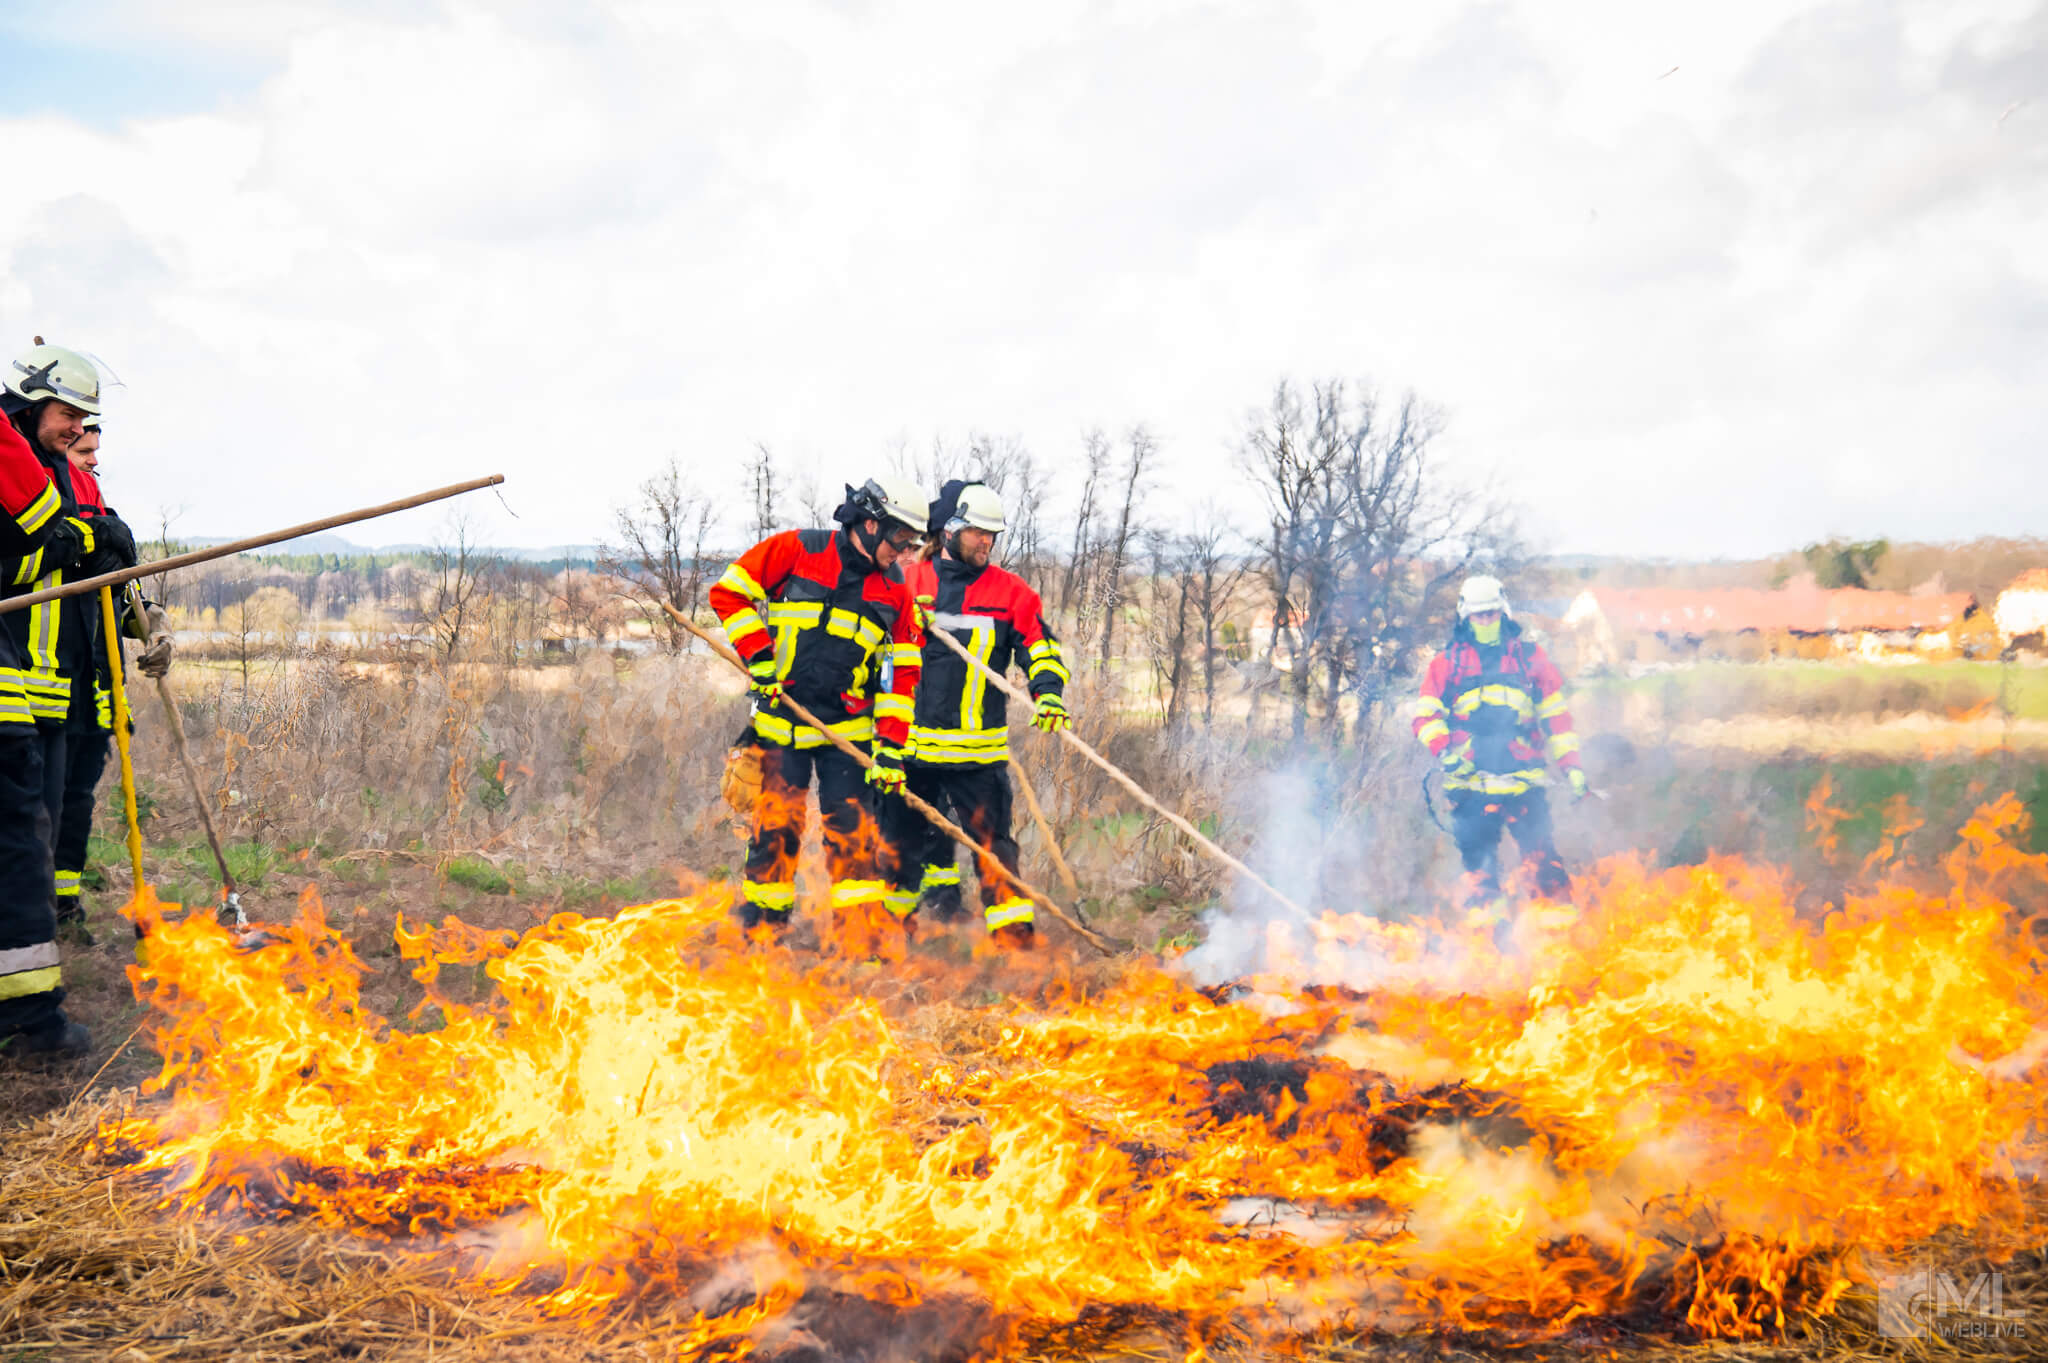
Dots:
pixel 1679 1101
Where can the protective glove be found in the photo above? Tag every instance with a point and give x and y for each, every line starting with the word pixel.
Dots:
pixel 925 614
pixel 765 687
pixel 113 546
pixel 1577 778
pixel 1457 765
pixel 69 543
pixel 887 773
pixel 155 658
pixel 1050 713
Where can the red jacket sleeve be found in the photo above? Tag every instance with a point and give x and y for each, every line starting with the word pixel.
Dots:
pixel 739 596
pixel 895 707
pixel 1561 745
pixel 1432 716
pixel 26 494
pixel 1044 665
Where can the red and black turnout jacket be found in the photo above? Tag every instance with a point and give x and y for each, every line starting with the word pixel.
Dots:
pixel 994 614
pixel 1500 704
pixel 841 630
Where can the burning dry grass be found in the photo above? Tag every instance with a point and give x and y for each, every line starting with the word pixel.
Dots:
pixel 1682 1117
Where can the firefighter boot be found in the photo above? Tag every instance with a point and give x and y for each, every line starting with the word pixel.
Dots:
pixel 71 921
pixel 58 1039
pixel 1015 937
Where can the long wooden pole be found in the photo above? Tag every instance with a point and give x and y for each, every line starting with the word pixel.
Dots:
pixel 118 691
pixel 231 896
pixel 1052 844
pixel 165 565
pixel 938 820
pixel 1081 746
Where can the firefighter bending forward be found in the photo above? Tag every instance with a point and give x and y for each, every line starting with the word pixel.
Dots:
pixel 1492 709
pixel 823 618
pixel 960 743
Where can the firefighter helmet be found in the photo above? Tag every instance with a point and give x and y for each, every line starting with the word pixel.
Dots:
pixel 978 506
pixel 1482 593
pixel 888 498
pixel 51 371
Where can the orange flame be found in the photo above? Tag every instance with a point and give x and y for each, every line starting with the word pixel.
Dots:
pixel 1681 1102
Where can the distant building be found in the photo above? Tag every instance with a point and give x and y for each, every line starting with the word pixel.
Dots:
pixel 2021 610
pixel 1802 619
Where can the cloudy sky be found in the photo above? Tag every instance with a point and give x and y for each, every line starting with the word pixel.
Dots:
pixel 1698 283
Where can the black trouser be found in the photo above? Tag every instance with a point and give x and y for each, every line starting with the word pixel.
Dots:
pixel 920 858
pixel 85 761
pixel 30 984
pixel 1476 822
pixel 778 831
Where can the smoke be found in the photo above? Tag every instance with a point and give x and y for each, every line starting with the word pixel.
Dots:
pixel 1354 849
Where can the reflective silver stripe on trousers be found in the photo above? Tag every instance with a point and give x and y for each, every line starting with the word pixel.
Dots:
pixel 38 957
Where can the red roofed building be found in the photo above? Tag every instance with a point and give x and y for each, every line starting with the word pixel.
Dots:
pixel 1850 619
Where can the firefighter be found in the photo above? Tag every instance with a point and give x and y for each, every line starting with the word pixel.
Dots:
pixel 87 737
pixel 823 617
pixel 959 743
pixel 45 397
pixel 1492 710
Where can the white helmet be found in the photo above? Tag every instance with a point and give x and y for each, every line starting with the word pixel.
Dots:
pixel 889 498
pixel 51 371
pixel 1482 593
pixel 979 506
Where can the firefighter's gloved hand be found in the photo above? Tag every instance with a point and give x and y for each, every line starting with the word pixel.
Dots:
pixel 1457 765
pixel 925 614
pixel 1050 714
pixel 765 687
pixel 113 545
pixel 887 773
pixel 1577 778
pixel 155 658
pixel 70 543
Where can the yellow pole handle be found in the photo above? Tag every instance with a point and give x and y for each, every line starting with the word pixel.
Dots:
pixel 120 694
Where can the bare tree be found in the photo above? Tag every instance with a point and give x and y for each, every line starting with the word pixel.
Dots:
pixel 658 557
pixel 1095 452
pixel 1141 448
pixel 1364 539
pixel 763 481
pixel 454 579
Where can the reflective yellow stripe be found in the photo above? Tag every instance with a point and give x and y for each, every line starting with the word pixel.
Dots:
pixel 67 882
pixel 1511 697
pixel 1047 661
pixel 1499 782
pixel 1430 705
pixel 40 510
pixel 938 877
pixel 846 893
pixel 1008 912
pixel 1432 731
pixel 889 705
pixel 1552 706
pixel 1560 744
pixel 790 735
pixel 744 624
pixel 29 569
pixel 906 655
pixel 29 970
pixel 901 903
pixel 103 707
pixel 738 579
pixel 950 746
pixel 769 894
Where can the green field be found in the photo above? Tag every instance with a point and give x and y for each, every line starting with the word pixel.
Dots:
pixel 1827 690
